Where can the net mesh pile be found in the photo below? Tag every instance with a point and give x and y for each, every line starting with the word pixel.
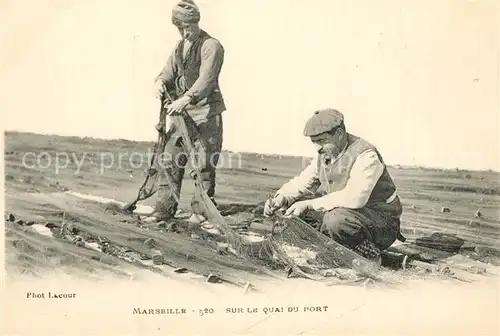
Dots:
pixel 276 249
pixel 270 251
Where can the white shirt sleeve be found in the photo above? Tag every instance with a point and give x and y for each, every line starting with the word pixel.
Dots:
pixel 305 183
pixel 364 175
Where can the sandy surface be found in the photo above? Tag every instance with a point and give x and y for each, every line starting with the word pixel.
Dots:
pixel 108 286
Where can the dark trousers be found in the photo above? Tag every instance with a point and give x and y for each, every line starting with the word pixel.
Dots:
pixel 174 161
pixel 352 226
pixel 377 223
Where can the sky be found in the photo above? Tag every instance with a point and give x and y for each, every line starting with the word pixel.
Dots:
pixel 417 78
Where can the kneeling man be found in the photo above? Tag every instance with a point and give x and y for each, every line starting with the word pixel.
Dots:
pixel 346 187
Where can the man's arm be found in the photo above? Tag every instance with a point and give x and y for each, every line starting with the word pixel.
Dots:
pixel 364 175
pixel 212 58
pixel 307 182
pixel 167 74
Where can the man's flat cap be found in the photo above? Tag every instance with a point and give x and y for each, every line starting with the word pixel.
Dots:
pixel 323 121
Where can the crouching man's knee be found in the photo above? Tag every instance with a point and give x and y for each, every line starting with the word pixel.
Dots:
pixel 341 225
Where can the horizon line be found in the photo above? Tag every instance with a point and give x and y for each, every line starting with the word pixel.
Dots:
pixel 394 165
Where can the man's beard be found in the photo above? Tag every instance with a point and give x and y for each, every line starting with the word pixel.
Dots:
pixel 327 151
pixel 329 154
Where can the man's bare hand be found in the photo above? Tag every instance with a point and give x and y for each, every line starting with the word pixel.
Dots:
pixel 274 204
pixel 160 126
pixel 178 106
pixel 298 208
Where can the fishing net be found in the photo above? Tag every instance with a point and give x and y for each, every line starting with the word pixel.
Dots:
pixel 285 232
pixel 286 239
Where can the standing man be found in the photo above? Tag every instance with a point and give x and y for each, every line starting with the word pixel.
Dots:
pixel 346 187
pixel 190 77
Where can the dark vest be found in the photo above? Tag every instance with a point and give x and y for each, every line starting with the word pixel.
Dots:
pixel 188 70
pixel 334 175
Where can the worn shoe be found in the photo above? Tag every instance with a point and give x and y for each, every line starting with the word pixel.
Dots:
pixel 197 219
pixel 156 217
pixel 368 250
